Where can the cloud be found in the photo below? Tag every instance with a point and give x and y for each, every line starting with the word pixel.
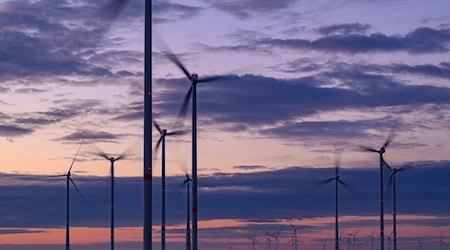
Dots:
pixel 249 167
pixel 245 9
pixel 308 65
pixel 14 131
pixel 165 11
pixel 340 129
pixel 292 191
pixel 419 41
pixel 133 112
pixel 59 42
pixel 17 231
pixel 91 136
pixel 442 70
pixel 250 102
pixel 344 29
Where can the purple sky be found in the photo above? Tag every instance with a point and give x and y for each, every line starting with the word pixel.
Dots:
pixel 305 78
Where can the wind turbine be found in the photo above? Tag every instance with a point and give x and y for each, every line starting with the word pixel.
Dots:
pixel 389 241
pixel 276 235
pixel 294 236
pixel 68 180
pixel 353 235
pixel 162 142
pixel 112 160
pixel 268 235
pixel 380 152
pixel 393 183
pixel 324 243
pixel 254 240
pixel 114 7
pixel 337 181
pixel 441 242
pixel 371 238
pixel 188 213
pixel 420 244
pixel 192 93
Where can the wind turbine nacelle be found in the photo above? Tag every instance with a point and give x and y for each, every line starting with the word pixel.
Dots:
pixel 194 77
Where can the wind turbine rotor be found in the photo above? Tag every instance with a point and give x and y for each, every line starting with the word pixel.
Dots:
pixel 74 158
pixel 389 139
pixel 183 111
pixel 78 190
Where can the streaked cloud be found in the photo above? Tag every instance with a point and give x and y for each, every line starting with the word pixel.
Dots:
pixel 14 131
pixel 246 9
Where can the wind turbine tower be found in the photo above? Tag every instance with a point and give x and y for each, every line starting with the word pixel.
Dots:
pixel 68 181
pixel 113 8
pixel 162 142
pixel 191 94
pixel 380 152
pixel 112 160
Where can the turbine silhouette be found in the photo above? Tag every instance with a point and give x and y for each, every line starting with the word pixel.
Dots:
pixel 162 142
pixel 254 240
pixel 421 242
pixel 337 180
pixel 294 236
pixel 68 181
pixel 324 244
pixel 371 239
pixel 112 160
pixel 111 10
pixel 268 243
pixel 393 184
pixel 441 242
pixel 188 213
pixel 380 152
pixel 277 241
pixel 191 94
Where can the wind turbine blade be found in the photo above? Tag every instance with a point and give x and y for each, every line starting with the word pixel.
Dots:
pixel 405 167
pixel 367 149
pixel 172 57
pixel 337 158
pixel 391 177
pixel 131 150
pixel 157 126
pixel 185 181
pixel 183 110
pixel 389 138
pixel 387 165
pixel 161 44
pixel 327 181
pixel 215 78
pixel 347 186
pixel 178 132
pixel 155 150
pixel 388 190
pixel 112 9
pixel 74 158
pixel 78 190
pixel 103 155
pixel 99 152
pixel 182 165
pixel 54 176
pixel 320 184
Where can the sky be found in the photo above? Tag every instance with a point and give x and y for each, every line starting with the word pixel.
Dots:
pixel 304 79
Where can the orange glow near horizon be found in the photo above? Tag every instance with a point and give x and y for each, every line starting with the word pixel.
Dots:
pixel 322 228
